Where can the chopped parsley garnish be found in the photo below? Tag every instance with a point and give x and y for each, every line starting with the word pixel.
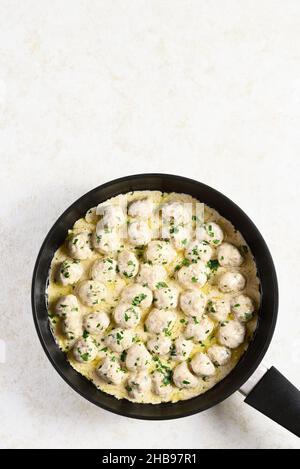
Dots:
pixel 173 350
pixel 185 262
pixel 248 316
pixel 85 356
pixel 161 285
pixel 167 379
pixel 85 334
pixel 126 274
pixel 164 370
pixel 138 299
pixel 119 337
pixel 213 265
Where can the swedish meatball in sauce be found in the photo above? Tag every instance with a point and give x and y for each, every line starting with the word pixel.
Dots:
pixel 148 302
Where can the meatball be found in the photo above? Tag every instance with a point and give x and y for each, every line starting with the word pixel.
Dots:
pixel 104 270
pixel 91 216
pixel 69 272
pixel 231 334
pixel 126 315
pixel 160 252
pixel 161 385
pixel 138 357
pixel 165 296
pixel 113 216
pixel 192 303
pixel 182 349
pixel 128 265
pixel 242 308
pixel 119 339
pixel 198 331
pixel 139 233
pixel 179 211
pixel 231 282
pixel 106 241
pixel 137 295
pixel 79 246
pixel 194 275
pixel 66 305
pixel 96 323
pixel 138 383
pixel 229 256
pixel 142 208
pixel 183 378
pixel 198 250
pixel 110 371
pixel 85 350
pixel 91 292
pixel 72 326
pixel 218 309
pixel 210 232
pixel 219 355
pixel 159 345
pixel 202 365
pixel 180 236
pixel 151 275
pixel 160 320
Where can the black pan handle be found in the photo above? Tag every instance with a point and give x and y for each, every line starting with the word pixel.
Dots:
pixel 277 398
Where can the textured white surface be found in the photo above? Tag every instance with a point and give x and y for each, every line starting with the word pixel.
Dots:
pixel 93 90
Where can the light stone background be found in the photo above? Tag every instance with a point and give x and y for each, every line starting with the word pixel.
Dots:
pixel 94 90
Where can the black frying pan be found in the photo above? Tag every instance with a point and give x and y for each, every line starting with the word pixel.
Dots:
pixel 273 395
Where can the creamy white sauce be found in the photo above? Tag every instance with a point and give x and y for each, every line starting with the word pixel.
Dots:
pixel 114 283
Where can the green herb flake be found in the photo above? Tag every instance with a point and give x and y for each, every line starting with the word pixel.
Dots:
pixel 138 299
pixel 161 285
pixel 185 262
pixel 213 265
pixel 85 356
